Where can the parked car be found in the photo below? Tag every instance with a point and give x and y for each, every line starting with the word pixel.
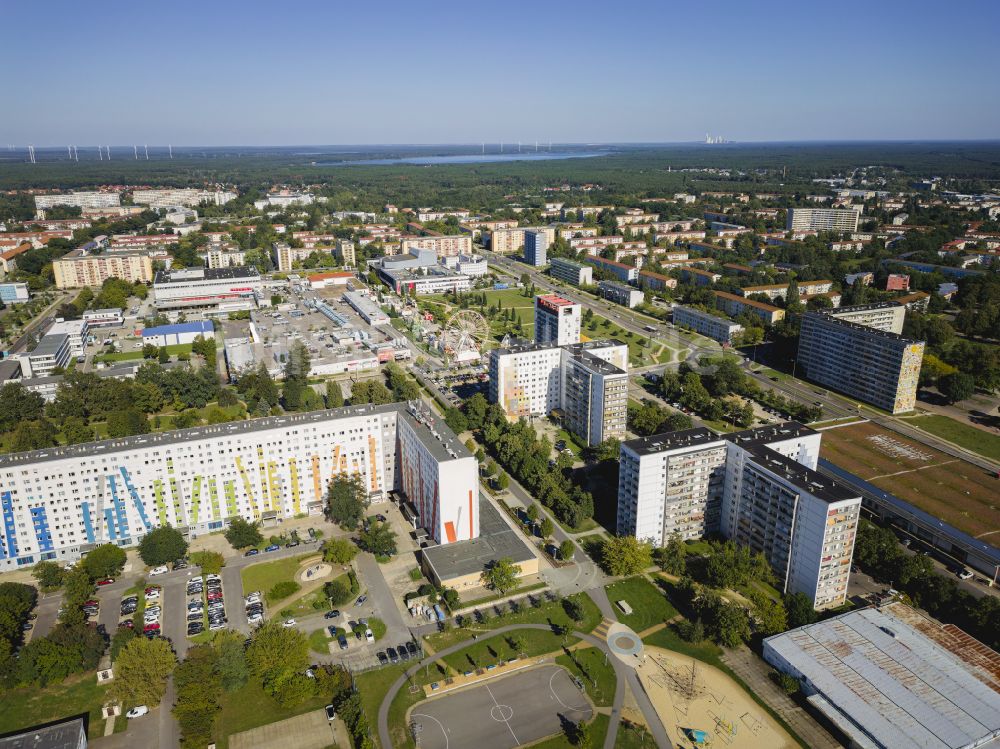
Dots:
pixel 162 569
pixel 137 712
pixel 251 553
pixel 361 600
pixel 383 659
pixel 332 614
pixel 369 635
pixel 272 547
pixel 289 623
pixel 393 656
pixel 343 642
pixel 106 581
pixel 411 648
pixel 330 712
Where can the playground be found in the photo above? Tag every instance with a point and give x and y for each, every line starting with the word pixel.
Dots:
pixel 700 706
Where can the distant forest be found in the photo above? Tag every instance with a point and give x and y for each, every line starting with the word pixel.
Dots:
pixel 632 171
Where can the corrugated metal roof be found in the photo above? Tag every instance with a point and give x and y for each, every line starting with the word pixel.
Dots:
pixel 896 686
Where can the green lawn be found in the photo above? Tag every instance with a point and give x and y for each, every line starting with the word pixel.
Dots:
pixel 483 653
pixel 250 707
pixel 319 639
pixel 668 639
pixel 591 667
pixel 264 575
pixel 174 350
pixel 634 736
pixel 649 605
pixel 963 435
pixel 373 685
pixel 550 612
pixel 638 354
pixel 29 706
pixel 489 599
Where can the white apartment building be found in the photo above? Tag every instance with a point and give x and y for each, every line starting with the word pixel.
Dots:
pixel 80 200
pixel 822 219
pixel 186 196
pixel 557 320
pixel 59 502
pixel 758 487
pixel 52 352
pixel 717 328
pixel 571 271
pixel 671 484
pixel 620 293
pixel 449 244
pixel 285 256
pixel 587 381
pixel 778 290
pixel 428 214
pixel 285 200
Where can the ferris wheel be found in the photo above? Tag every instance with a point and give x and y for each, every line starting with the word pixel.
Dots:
pixel 464 335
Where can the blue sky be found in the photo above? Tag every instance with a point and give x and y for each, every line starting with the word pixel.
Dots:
pixel 217 72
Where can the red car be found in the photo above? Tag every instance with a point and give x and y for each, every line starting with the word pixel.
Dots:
pixel 127 623
pixel 151 627
pixel 106 581
pixel 152 588
pixel 92 602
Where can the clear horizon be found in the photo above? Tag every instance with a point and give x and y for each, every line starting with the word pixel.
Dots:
pixel 208 75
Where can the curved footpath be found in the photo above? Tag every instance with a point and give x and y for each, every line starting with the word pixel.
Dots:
pixel 622 673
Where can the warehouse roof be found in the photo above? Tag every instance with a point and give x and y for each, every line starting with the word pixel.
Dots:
pixel 890 677
pixel 196 326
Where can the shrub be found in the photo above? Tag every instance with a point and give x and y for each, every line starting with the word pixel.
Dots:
pixel 283 589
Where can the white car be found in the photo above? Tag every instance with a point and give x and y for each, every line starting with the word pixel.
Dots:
pixel 153 595
pixel 162 569
pixel 137 712
pixel 369 635
pixel 289 623
pixel 194 579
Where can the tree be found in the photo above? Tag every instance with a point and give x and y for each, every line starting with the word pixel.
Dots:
pixel 198 686
pixel 210 562
pixel 275 650
pixel 106 560
pixel 770 615
pixel 625 555
pixel 547 527
pixel 566 550
pixel 456 420
pixel 76 431
pixel 501 575
pixel 503 481
pixel 337 592
pixel 672 557
pixel 346 500
pixel 141 672
pixel 334 395
pixel 127 422
pixel 338 551
pixel 573 609
pixel 799 610
pixel 957 386
pixel 532 512
pixel 242 534
pixel 233 668
pixel 49 576
pixel 122 637
pixel 379 539
pixel 162 545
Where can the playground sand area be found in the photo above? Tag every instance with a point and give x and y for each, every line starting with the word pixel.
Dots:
pixel 700 706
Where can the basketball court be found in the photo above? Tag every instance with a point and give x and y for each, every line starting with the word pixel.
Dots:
pixel 502 713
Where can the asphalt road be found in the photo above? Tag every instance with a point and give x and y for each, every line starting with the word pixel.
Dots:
pixel 503 713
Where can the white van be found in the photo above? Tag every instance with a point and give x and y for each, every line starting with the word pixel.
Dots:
pixel 159 570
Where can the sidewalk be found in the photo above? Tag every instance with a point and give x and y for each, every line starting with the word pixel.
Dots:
pixel 754 673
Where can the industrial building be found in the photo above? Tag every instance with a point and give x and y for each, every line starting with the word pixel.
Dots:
pixel 14 293
pixel 587 382
pixel 860 351
pixel 365 306
pixel 717 328
pixel 217 289
pixel 433 279
pixel 758 487
pixel 181 333
pixel 557 320
pixel 572 272
pixel 888 677
pixel 59 502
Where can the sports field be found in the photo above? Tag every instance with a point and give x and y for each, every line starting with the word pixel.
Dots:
pixel 953 490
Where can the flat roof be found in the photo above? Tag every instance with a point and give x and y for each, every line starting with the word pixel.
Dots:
pixel 496 540
pixel 889 677
pixel 657 443
pixel 64 734
pixel 160 439
pixel 195 326
pixel 802 477
pixel 747 301
pixel 183 275
pixel 554 300
pixel 50 344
